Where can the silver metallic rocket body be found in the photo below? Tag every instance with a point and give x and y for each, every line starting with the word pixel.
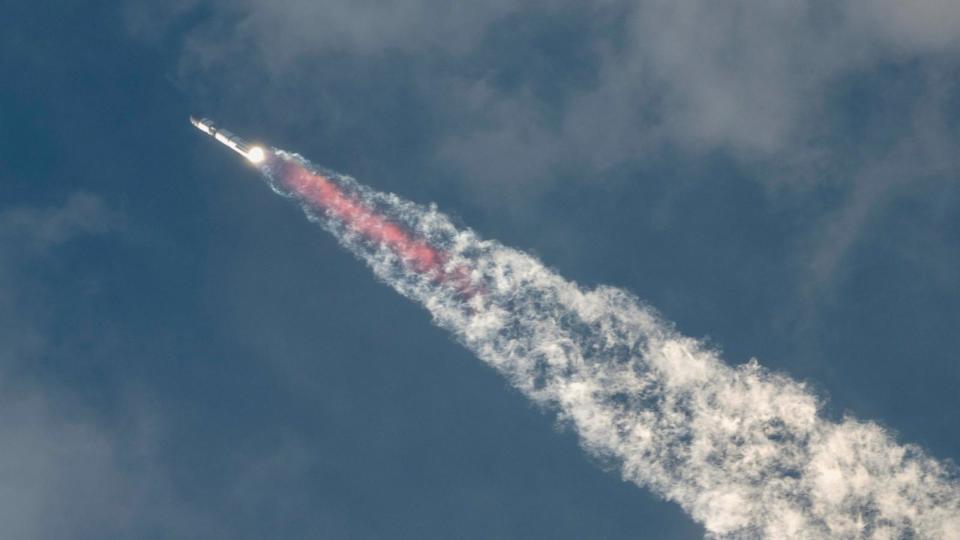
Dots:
pixel 254 154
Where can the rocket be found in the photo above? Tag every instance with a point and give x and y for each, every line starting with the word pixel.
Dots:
pixel 254 154
pixel 291 176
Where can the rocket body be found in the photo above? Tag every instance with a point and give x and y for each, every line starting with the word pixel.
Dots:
pixel 254 154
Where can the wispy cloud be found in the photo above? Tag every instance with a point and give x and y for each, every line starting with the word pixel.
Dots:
pixel 514 95
pixel 27 236
pixel 40 228
pixel 65 472
pixel 750 77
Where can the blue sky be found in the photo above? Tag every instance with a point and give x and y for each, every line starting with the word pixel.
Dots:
pixel 183 355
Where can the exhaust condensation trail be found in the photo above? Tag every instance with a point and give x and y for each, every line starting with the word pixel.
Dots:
pixel 741 449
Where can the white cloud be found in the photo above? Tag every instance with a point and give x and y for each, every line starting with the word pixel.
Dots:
pixel 752 78
pixel 927 26
pixel 749 77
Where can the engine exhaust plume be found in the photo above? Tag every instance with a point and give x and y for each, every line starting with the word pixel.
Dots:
pixel 743 450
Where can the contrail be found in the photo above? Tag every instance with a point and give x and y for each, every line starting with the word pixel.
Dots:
pixel 741 449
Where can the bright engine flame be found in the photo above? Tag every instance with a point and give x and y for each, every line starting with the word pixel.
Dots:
pixel 256 155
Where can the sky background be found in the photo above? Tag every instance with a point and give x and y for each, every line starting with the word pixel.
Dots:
pixel 182 355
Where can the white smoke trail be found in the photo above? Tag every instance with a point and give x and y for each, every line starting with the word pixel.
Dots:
pixel 742 450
